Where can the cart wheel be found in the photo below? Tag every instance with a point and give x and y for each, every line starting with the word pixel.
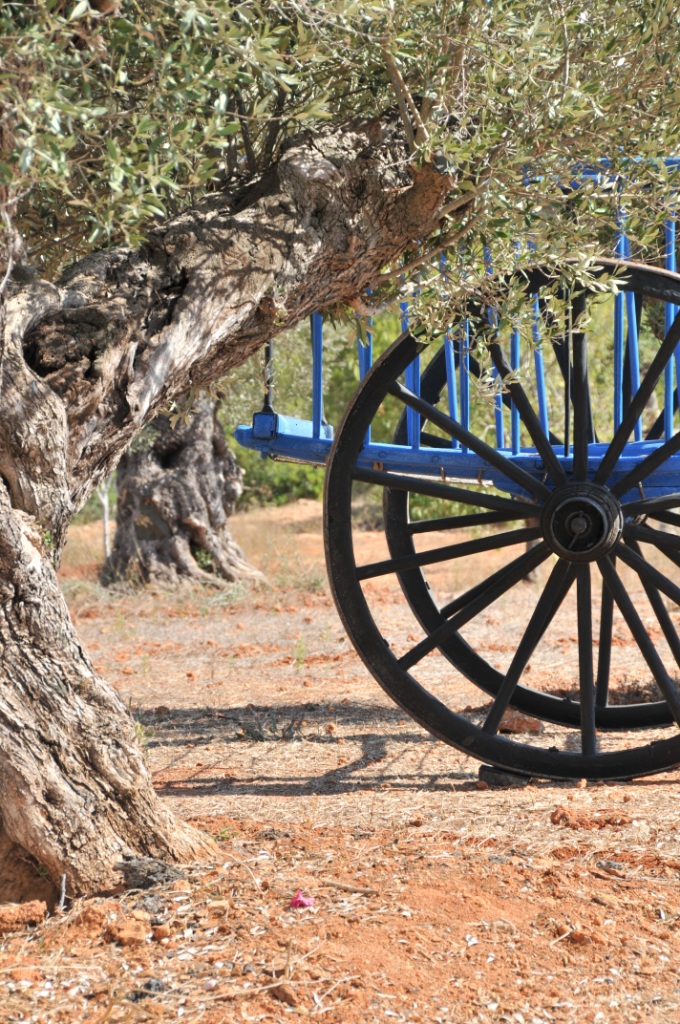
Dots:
pixel 596 516
pixel 400 533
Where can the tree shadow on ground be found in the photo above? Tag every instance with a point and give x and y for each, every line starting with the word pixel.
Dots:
pixel 167 727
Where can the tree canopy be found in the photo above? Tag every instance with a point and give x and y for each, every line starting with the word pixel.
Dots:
pixel 119 114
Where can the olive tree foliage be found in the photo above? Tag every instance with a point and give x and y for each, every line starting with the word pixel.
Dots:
pixel 179 182
pixel 120 113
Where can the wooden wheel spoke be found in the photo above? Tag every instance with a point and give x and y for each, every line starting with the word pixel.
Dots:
pixel 585 660
pixel 516 570
pixel 671 518
pixel 528 416
pixel 449 552
pixel 469 440
pixel 648 535
pixel 640 635
pixel 467 606
pixel 553 595
pixel 653 461
pixel 659 609
pixel 434 441
pixel 604 654
pixel 636 408
pixel 459 522
pixel 629 554
pixel 672 556
pixel 650 506
pixel 583 412
pixel 433 489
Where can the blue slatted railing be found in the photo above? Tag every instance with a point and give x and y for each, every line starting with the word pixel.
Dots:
pixel 669 316
pixel 317 374
pixel 309 441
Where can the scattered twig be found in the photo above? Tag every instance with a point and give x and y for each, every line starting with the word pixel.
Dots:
pixel 341 981
pixel 348 888
pixel 237 860
pixel 561 937
pixel 62 894
pixel 109 1008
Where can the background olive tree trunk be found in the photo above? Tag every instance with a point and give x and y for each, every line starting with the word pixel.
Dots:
pixel 176 493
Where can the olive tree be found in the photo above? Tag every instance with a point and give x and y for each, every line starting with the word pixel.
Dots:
pixel 179 183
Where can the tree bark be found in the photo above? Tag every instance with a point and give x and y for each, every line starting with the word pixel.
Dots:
pixel 75 793
pixel 85 364
pixel 175 496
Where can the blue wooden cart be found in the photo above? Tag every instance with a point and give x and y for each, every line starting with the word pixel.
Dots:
pixel 529 478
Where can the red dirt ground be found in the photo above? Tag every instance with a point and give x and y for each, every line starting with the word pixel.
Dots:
pixel 434 900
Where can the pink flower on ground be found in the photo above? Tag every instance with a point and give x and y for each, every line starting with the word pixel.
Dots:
pixel 299 900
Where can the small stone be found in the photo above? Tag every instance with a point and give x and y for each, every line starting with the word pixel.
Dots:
pixel 146 872
pixel 562 930
pixel 612 867
pixel 152 903
pixel 498 779
pixel 93 917
pixel 481 785
pixel 514 722
pixel 225 992
pixel 580 938
pixel 26 974
pixel 136 995
pixel 219 907
pixel 14 916
pixel 285 994
pixel 127 933
pixel 161 931
pixel 154 985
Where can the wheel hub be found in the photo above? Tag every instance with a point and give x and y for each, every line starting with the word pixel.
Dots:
pixel 582 522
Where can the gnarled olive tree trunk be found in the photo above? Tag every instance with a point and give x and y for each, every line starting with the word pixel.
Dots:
pixel 85 364
pixel 176 493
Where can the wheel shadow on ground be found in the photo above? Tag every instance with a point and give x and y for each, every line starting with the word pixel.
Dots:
pixel 271 731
